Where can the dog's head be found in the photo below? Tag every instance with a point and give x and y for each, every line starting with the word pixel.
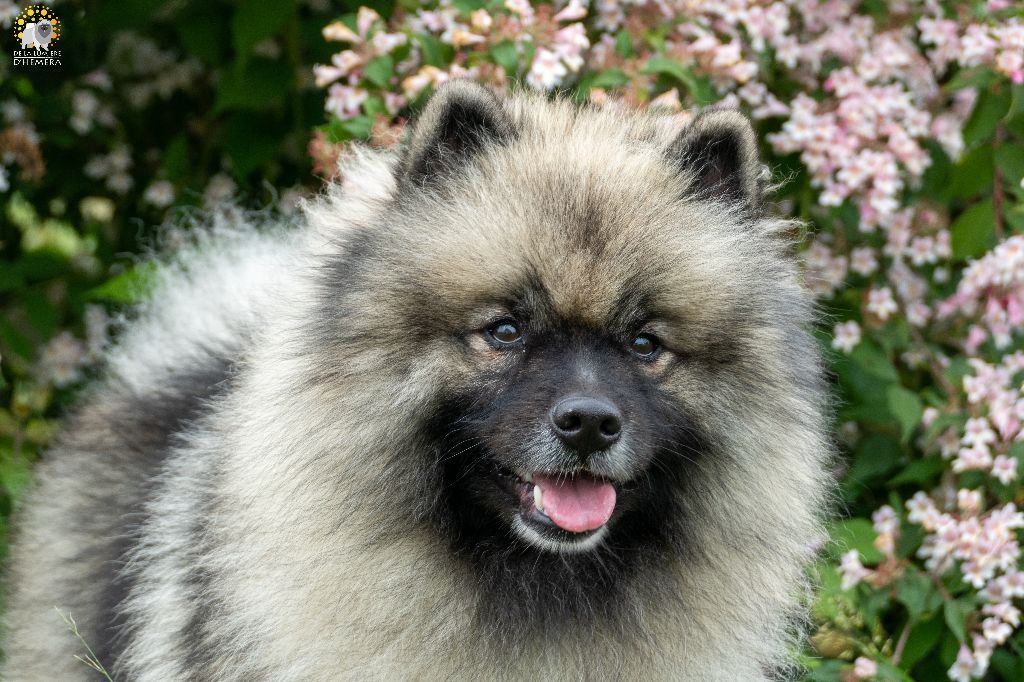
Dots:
pixel 594 332
pixel 43 29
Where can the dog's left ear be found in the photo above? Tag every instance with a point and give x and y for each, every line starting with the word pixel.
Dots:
pixel 717 152
pixel 460 121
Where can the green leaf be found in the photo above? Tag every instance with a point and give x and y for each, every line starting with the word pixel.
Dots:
pixel 936 175
pixel 131 286
pixel 923 638
pixel 919 471
pixel 1010 161
pixel 1017 451
pixel 890 673
pixel 255 21
pixel 700 88
pixel 624 44
pixel 15 342
pixel 1008 666
pixel 827 671
pixel 470 6
pixel 374 106
pixel 15 473
pixel 872 360
pixel 874 457
pixel 339 131
pixel 1017 105
pixel 358 127
pixel 506 56
pixel 11 278
pixel 856 534
pixel 176 165
pixel 250 141
pixel 979 78
pixel 380 70
pixel 435 53
pixel 957 370
pixel 610 79
pixel 918 594
pixel 201 28
pixel 909 540
pixel 991 106
pixel 906 407
pixel 974 231
pixel 259 84
pixel 668 67
pixel 124 15
pixel 972 175
pixel 41 312
pixel 955 612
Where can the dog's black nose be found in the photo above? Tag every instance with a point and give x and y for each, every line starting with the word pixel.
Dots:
pixel 586 424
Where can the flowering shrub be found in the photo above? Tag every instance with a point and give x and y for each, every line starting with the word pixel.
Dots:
pixel 895 131
pixel 156 110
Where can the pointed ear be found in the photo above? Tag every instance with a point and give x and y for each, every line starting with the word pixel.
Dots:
pixel 459 121
pixel 718 152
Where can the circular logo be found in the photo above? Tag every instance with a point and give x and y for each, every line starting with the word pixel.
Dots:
pixel 36 27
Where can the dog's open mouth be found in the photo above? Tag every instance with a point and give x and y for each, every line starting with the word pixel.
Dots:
pixel 563 507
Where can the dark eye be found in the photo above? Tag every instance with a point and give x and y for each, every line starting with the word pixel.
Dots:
pixel 644 346
pixel 505 332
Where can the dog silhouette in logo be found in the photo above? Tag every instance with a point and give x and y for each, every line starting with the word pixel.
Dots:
pixel 39 34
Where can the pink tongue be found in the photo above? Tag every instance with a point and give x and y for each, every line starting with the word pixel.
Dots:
pixel 578 504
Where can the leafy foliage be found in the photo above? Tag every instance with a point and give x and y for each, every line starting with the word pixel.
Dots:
pixel 156 111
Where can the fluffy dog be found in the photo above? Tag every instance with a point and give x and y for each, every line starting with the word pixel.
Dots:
pixel 532 398
pixel 37 34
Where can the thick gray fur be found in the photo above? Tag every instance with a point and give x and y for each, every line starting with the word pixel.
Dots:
pixel 228 502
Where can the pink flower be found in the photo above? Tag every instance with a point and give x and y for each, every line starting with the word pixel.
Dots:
pixel 344 101
pixel 1005 469
pixel 863 260
pixel 995 630
pixel 852 570
pixel 481 20
pixel 881 304
pixel 864 668
pixel 963 669
pixel 574 11
pixel 547 70
pixel 845 336
pixel 522 8
pixel 975 457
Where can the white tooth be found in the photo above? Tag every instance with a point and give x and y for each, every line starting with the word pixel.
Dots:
pixel 537 502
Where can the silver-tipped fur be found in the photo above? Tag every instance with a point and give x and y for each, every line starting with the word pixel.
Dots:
pixel 296 464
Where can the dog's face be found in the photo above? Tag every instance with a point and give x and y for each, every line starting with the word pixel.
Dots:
pixel 588 323
pixel 557 433
pixel 44 29
pixel 602 305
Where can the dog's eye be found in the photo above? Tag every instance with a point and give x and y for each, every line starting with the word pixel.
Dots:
pixel 505 332
pixel 644 346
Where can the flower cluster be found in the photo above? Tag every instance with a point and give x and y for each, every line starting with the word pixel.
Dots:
pixel 992 289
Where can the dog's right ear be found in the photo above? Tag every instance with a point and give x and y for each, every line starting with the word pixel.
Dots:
pixel 459 121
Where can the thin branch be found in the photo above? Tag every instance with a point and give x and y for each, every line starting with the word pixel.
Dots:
pixel 897 654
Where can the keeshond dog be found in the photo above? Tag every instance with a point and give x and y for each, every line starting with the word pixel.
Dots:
pixel 532 398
